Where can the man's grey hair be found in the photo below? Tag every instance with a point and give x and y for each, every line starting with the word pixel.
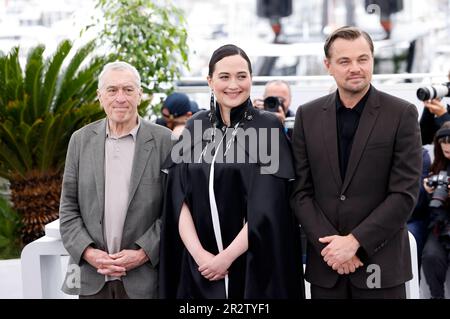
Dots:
pixel 118 65
pixel 278 82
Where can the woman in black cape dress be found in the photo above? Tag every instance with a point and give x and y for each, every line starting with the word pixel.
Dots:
pixel 244 192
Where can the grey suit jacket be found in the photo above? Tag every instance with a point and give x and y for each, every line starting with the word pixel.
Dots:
pixel 82 207
pixel 377 195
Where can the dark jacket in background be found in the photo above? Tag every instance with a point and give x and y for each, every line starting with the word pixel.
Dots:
pixel 429 124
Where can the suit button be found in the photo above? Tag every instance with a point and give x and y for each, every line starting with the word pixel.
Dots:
pixel 342 198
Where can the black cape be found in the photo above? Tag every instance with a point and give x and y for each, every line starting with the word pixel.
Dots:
pixel 271 267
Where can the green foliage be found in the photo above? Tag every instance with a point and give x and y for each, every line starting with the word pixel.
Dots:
pixel 41 106
pixel 9 231
pixel 149 35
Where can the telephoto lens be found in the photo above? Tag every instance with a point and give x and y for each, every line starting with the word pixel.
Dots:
pixel 271 103
pixel 440 194
pixel 433 91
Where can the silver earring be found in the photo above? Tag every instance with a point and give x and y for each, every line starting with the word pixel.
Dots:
pixel 212 106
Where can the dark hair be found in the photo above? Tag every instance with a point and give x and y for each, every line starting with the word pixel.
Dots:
pixel 347 33
pixel 440 161
pixel 225 51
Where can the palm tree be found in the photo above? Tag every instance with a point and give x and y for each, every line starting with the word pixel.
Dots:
pixel 40 108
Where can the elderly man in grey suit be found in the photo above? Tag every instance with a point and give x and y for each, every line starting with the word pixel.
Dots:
pixel 112 195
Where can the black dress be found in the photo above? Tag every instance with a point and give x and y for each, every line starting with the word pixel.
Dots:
pixel 244 191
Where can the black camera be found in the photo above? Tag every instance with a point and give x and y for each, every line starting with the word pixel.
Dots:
pixel 433 91
pixel 440 183
pixel 271 103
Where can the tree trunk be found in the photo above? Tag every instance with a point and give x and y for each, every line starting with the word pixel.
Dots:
pixel 36 199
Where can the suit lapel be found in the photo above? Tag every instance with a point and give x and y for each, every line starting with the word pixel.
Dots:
pixel 329 130
pixel 142 153
pixel 365 126
pixel 98 160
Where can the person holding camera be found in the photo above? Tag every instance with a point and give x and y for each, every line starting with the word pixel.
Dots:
pixel 434 114
pixel 358 161
pixel 436 109
pixel 436 253
pixel 277 99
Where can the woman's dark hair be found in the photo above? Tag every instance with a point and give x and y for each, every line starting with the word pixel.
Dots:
pixel 440 161
pixel 223 52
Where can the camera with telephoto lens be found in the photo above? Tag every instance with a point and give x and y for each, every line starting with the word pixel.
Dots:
pixel 440 183
pixel 433 91
pixel 271 103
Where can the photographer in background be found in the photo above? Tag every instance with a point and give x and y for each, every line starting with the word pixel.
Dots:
pixel 177 109
pixel 277 99
pixel 436 111
pixel 435 255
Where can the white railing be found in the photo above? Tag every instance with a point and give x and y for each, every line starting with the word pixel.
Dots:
pixel 42 272
pixel 412 286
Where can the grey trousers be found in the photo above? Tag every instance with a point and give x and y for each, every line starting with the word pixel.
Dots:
pixel 111 290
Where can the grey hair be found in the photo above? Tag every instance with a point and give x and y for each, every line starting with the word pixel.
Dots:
pixel 279 82
pixel 119 65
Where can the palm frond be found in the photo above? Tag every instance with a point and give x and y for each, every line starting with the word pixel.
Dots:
pixel 69 82
pixel 33 81
pixel 11 84
pixel 53 67
pixel 13 142
pixel 10 164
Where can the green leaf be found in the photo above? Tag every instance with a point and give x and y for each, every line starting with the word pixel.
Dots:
pixel 33 76
pixel 51 77
pixel 15 144
pixel 9 231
